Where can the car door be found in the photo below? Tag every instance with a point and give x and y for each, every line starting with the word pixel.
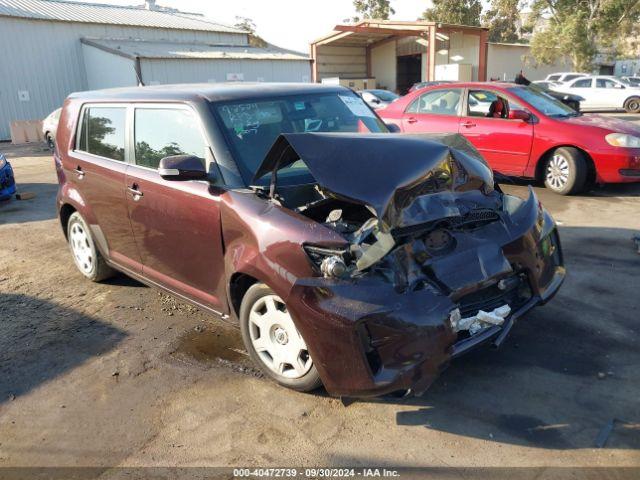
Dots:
pixel 504 143
pixel 176 224
pixel 434 111
pixel 584 88
pixel 609 93
pixel 97 167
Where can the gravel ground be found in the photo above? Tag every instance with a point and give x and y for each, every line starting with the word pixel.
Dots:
pixel 117 374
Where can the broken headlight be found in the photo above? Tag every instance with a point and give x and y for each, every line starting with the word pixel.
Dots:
pixel 329 262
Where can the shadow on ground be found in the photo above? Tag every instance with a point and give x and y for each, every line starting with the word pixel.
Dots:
pixel 40 340
pixel 42 207
pixel 566 370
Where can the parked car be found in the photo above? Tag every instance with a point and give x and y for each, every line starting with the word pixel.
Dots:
pixel 347 255
pixel 633 81
pixel 549 88
pixel 378 98
pixel 562 77
pixel 50 126
pixel 7 180
pixel 604 93
pixel 522 132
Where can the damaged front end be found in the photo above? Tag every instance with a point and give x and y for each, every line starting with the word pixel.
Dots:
pixel 436 258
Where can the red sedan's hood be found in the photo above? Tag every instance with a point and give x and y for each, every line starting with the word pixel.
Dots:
pixel 608 123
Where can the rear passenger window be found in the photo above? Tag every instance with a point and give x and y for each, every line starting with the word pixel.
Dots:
pixel 439 102
pixel 164 132
pixel 102 132
pixel 585 83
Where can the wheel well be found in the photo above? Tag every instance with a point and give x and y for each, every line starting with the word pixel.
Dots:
pixel 65 212
pixel 591 174
pixel 238 286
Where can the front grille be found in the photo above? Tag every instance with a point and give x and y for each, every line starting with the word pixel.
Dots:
pixel 487 299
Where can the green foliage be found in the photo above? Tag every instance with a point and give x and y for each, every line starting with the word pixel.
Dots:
pixel 580 28
pixel 247 24
pixel 503 20
pixel 458 12
pixel 378 9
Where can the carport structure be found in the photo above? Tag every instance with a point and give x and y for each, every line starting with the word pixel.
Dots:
pixel 397 53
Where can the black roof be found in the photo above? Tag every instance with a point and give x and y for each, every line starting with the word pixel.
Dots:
pixel 213 92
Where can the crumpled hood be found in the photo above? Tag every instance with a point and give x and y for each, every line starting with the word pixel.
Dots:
pixel 607 123
pixel 386 172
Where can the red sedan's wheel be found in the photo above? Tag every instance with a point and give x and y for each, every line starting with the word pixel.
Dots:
pixel 566 171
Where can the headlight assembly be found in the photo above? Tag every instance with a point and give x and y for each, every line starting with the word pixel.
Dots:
pixel 623 140
pixel 3 161
pixel 328 261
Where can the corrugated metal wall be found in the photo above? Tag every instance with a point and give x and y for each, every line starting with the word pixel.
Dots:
pixel 106 70
pixel 45 59
pixel 339 61
pixel 156 71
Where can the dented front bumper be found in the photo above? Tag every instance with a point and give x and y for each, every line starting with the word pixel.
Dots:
pixel 368 339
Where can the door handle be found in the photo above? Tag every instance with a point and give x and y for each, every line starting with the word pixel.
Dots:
pixel 78 171
pixel 133 190
pixel 468 124
pixel 412 120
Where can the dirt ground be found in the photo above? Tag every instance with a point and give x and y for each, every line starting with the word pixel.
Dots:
pixel 117 374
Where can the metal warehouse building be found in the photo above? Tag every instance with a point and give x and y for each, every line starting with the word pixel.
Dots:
pixel 52 48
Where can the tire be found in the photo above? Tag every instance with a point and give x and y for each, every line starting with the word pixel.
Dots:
pixel 50 142
pixel 83 249
pixel 273 341
pixel 632 105
pixel 565 171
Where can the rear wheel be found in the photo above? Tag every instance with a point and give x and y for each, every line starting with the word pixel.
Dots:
pixel 50 142
pixel 85 254
pixel 632 105
pixel 566 171
pixel 273 341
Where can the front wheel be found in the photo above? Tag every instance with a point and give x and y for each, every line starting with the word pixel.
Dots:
pixel 566 171
pixel 85 254
pixel 632 105
pixel 273 341
pixel 50 142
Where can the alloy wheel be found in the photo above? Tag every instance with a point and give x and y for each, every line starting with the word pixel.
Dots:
pixel 81 248
pixel 558 172
pixel 276 339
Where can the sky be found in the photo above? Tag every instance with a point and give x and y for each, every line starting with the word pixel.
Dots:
pixel 287 23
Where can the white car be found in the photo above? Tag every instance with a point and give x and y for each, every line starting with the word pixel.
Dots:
pixel 561 77
pixel 50 127
pixel 601 92
pixel 377 98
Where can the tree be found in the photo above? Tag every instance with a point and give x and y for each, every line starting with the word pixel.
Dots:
pixel 378 9
pixel 503 20
pixel 247 24
pixel 580 29
pixel 458 12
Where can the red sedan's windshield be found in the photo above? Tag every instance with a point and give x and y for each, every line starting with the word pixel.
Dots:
pixel 542 102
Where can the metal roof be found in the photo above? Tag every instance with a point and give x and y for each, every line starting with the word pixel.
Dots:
pixel 65 11
pixel 174 50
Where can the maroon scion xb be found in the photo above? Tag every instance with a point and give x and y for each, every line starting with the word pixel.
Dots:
pixel 349 256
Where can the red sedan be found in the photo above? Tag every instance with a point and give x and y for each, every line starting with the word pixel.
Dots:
pixel 524 133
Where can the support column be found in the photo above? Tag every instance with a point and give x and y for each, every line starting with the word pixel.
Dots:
pixel 482 61
pixel 431 63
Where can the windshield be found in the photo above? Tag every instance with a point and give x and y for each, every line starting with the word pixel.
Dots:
pixel 542 102
pixel 384 95
pixel 251 127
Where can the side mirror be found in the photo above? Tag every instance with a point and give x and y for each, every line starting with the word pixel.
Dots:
pixel 182 167
pixel 519 115
pixel 393 128
pixel 375 100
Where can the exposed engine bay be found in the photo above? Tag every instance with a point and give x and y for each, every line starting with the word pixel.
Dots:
pixel 430 242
